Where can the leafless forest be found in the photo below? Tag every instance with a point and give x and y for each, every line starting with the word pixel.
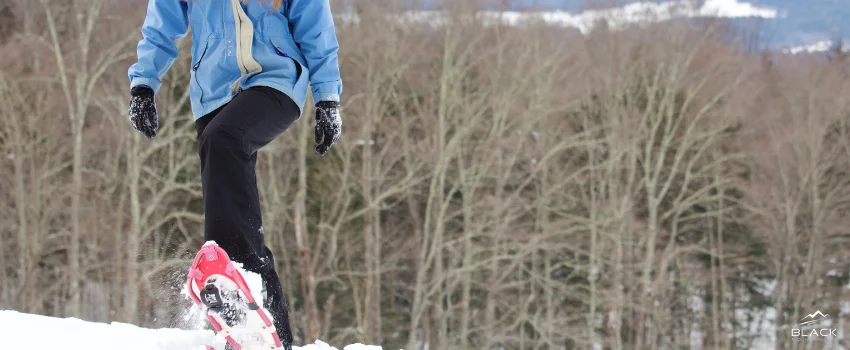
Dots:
pixel 669 186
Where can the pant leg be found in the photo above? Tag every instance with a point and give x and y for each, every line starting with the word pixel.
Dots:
pixel 228 141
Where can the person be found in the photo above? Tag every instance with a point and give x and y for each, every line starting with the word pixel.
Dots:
pixel 252 62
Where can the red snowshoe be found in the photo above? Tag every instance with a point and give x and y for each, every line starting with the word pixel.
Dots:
pixel 217 286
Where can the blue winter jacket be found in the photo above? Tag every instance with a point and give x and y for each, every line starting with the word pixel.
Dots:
pixel 236 46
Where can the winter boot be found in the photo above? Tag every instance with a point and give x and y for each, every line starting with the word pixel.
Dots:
pixel 226 303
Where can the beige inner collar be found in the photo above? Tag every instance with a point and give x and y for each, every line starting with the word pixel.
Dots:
pixel 244 40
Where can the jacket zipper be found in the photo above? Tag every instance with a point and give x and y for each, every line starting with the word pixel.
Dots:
pixel 195 69
pixel 297 64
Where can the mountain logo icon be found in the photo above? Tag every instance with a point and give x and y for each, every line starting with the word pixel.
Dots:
pixel 813 318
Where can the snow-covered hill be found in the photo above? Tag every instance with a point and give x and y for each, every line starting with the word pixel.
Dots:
pixel 35 332
pixel 783 24
pixel 614 17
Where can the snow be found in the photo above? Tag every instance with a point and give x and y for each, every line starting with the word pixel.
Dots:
pixel 620 17
pixel 735 9
pixel 615 18
pixel 37 332
pixel 820 46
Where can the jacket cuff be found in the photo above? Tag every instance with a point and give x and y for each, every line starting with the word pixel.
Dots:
pixel 328 91
pixel 154 84
pixel 325 97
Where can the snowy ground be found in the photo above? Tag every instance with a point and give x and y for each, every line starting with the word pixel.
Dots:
pixel 36 332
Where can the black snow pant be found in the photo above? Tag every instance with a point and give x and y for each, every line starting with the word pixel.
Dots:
pixel 228 141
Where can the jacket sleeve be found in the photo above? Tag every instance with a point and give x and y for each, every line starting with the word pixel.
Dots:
pixel 166 22
pixel 313 29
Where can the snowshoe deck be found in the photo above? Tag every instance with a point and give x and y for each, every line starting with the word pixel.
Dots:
pixel 217 286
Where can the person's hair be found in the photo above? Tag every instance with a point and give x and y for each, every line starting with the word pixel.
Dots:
pixel 275 3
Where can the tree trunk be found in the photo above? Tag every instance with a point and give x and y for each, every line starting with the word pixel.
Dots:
pixel 133 237
pixel 308 280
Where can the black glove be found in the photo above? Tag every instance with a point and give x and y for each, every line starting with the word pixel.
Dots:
pixel 328 125
pixel 143 111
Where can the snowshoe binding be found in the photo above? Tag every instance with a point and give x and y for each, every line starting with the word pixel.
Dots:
pixel 217 286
